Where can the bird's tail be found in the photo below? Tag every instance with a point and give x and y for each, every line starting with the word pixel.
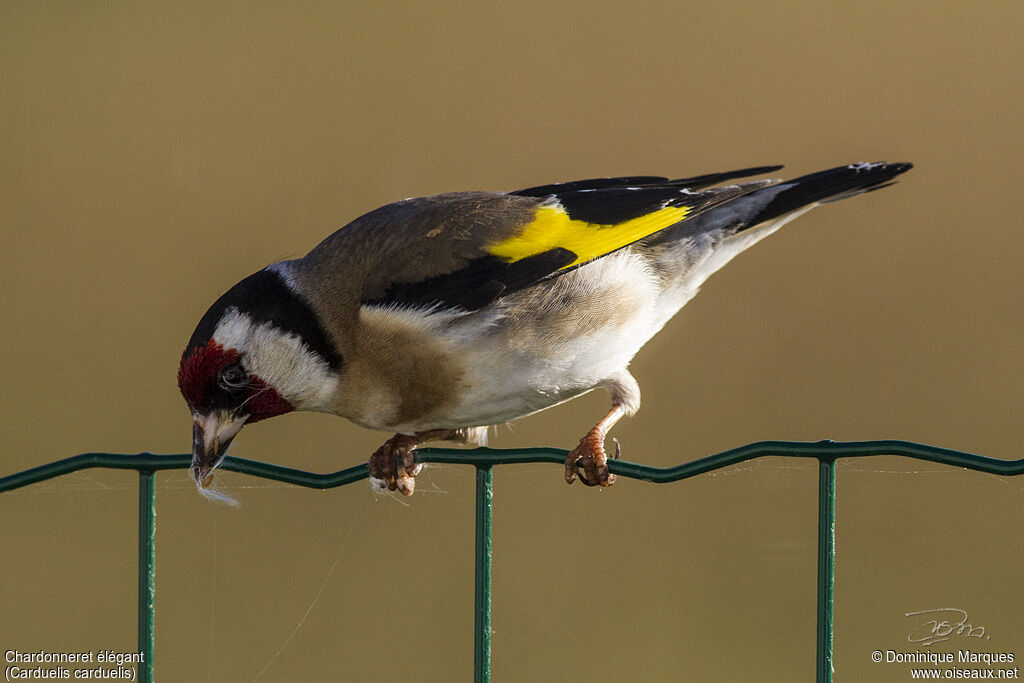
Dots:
pixel 768 205
pixel 771 202
pixel 711 239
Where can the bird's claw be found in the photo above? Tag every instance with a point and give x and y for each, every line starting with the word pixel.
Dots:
pixel 393 466
pixel 590 462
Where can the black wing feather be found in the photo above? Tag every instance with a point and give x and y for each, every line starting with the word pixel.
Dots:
pixel 694 183
pixel 591 184
pixel 477 284
pixel 707 180
pixel 613 205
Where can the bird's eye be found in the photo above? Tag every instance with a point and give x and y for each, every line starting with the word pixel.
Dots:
pixel 232 377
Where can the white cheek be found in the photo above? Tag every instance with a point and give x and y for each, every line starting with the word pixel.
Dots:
pixel 285 363
pixel 280 359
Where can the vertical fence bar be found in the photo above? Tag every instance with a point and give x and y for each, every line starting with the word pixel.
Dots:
pixel 482 641
pixel 147 562
pixel 826 564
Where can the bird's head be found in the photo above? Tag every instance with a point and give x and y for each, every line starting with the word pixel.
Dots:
pixel 258 352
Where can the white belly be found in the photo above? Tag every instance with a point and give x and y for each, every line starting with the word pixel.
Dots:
pixel 558 348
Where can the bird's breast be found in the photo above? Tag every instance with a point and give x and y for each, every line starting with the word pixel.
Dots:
pixel 418 370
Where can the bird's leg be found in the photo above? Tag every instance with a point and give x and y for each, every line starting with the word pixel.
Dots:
pixel 393 466
pixel 590 455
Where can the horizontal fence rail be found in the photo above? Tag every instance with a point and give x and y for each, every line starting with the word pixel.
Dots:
pixel 485 459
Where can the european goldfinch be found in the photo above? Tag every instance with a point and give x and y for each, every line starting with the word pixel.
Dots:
pixel 436 317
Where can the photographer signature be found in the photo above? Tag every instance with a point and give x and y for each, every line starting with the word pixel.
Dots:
pixel 942 624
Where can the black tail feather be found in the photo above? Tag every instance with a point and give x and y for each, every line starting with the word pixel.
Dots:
pixel 831 185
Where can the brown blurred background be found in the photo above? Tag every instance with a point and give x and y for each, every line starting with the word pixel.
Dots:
pixel 155 153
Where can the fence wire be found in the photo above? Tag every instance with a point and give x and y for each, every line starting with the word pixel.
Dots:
pixel 484 460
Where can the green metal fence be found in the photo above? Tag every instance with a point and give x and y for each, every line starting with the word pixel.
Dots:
pixel 484 459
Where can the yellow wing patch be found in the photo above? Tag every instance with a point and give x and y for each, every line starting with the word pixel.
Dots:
pixel 552 228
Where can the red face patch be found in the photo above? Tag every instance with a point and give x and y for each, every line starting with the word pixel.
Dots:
pixel 197 374
pixel 264 401
pixel 197 380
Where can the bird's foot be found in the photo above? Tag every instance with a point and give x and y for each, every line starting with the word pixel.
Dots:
pixel 589 461
pixel 393 466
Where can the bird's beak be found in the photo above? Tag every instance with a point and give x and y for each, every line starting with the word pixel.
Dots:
pixel 211 436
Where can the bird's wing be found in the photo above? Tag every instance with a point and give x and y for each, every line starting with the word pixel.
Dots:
pixel 465 250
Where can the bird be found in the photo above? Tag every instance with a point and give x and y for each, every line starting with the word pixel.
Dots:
pixel 435 318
